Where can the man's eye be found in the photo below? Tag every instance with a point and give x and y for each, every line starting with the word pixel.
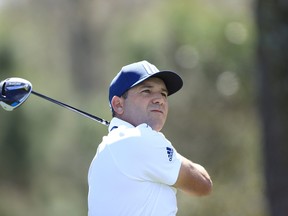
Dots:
pixel 164 95
pixel 146 91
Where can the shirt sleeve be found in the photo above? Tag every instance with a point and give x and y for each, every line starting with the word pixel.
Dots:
pixel 149 157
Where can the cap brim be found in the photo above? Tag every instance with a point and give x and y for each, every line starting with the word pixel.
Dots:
pixel 172 80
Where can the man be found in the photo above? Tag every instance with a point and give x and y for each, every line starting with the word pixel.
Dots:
pixel 136 170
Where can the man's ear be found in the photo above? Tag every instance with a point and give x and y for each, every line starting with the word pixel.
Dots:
pixel 117 105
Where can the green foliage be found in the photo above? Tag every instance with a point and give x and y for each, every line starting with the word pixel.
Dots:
pixel 212 121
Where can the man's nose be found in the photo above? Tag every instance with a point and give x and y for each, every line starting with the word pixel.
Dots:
pixel 158 98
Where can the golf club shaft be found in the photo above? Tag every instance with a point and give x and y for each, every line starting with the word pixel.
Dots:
pixel 95 118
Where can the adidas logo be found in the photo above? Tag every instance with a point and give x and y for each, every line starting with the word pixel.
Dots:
pixel 169 153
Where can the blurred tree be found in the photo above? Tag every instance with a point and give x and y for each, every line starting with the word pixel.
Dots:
pixel 14 151
pixel 272 18
pixel 6 59
pixel 14 158
pixel 82 46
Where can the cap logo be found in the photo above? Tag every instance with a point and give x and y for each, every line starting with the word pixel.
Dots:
pixel 150 69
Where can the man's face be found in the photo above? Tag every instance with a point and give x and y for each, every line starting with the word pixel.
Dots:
pixel 147 103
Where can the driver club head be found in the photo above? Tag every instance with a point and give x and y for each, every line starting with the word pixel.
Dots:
pixel 13 92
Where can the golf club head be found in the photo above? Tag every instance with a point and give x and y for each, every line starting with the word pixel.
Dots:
pixel 13 92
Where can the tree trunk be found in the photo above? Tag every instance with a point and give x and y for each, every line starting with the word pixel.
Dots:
pixel 272 18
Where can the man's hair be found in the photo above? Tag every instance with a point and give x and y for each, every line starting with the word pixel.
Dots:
pixel 125 95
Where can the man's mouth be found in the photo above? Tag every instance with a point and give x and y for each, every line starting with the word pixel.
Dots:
pixel 157 111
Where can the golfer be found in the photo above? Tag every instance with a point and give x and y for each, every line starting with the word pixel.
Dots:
pixel 136 170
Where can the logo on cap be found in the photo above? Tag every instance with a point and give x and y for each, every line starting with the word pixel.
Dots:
pixel 150 69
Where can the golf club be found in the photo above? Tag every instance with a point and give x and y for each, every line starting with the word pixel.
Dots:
pixel 15 91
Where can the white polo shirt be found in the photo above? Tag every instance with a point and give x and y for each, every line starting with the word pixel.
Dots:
pixel 132 173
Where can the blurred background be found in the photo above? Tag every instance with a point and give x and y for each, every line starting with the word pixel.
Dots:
pixel 231 115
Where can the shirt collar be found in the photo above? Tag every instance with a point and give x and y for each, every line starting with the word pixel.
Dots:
pixel 116 122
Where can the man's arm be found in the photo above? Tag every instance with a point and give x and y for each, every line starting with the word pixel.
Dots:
pixel 193 179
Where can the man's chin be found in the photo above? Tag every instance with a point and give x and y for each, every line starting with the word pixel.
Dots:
pixel 157 126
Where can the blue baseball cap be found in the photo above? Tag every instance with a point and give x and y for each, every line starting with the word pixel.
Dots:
pixel 135 73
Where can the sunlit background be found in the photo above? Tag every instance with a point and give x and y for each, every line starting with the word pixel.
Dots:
pixel 70 51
